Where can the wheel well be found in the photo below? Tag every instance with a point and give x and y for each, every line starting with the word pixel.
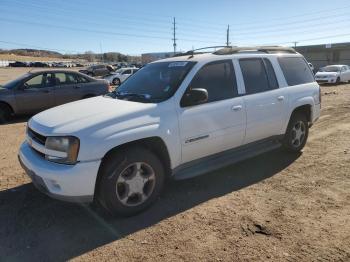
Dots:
pixel 7 105
pixel 305 109
pixel 155 144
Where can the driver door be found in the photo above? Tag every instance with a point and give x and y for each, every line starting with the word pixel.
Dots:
pixel 36 94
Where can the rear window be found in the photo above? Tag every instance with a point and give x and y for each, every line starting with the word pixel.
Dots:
pixel 296 70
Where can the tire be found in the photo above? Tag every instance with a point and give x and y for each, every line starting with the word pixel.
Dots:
pixel 337 82
pixel 297 133
pixel 123 189
pixel 5 113
pixel 116 82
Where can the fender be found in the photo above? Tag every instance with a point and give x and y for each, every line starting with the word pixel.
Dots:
pixel 303 101
pixel 168 136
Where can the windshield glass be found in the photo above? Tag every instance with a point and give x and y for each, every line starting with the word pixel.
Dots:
pixel 330 69
pixel 155 82
pixel 15 82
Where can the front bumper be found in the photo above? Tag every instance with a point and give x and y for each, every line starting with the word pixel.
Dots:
pixel 73 183
pixel 326 80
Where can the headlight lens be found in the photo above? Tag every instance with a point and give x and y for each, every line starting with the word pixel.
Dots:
pixel 62 150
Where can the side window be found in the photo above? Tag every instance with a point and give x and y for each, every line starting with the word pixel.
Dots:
pixel 49 80
pixel 218 78
pixel 81 79
pixel 296 70
pixel 71 79
pixel 35 82
pixel 127 72
pixel 60 78
pixel 255 75
pixel 271 74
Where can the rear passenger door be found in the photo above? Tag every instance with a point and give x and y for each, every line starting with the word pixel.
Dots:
pixel 265 102
pixel 218 124
pixel 67 88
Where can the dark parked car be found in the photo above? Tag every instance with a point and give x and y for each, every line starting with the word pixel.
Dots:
pixel 39 64
pixel 36 91
pixel 96 70
pixel 18 64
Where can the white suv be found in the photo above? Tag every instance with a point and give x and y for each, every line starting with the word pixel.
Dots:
pixel 179 117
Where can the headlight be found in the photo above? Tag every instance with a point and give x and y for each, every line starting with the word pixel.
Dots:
pixel 62 150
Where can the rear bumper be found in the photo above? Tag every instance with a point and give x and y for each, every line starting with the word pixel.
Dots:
pixel 73 183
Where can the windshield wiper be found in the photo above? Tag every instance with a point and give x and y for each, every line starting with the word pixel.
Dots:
pixel 132 95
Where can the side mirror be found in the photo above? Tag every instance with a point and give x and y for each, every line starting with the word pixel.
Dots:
pixel 194 97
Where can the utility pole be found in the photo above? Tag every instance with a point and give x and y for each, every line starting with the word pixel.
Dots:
pixel 174 35
pixel 295 44
pixel 228 35
pixel 101 52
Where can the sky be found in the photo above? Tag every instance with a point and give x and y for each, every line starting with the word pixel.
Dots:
pixel 134 26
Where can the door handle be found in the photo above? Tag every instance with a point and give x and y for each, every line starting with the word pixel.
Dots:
pixel 45 91
pixel 236 108
pixel 76 87
pixel 280 98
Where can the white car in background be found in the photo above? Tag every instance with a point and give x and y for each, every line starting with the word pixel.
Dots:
pixel 119 76
pixel 333 74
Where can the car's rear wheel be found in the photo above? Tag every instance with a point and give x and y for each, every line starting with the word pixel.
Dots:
pixel 131 180
pixel 116 81
pixel 297 133
pixel 5 113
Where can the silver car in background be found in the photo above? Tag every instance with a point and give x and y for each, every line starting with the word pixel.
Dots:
pixel 36 91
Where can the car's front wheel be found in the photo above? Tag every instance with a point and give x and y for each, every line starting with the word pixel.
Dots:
pixel 131 180
pixel 297 133
pixel 5 113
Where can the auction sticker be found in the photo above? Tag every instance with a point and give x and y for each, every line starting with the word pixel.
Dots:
pixel 175 64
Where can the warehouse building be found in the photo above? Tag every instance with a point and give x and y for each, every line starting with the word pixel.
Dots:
pixel 327 54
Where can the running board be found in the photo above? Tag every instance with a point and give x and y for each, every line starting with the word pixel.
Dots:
pixel 229 157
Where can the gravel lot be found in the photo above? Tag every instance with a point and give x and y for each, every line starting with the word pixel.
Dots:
pixel 274 207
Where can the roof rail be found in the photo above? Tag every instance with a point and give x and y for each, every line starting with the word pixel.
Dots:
pixel 266 49
pixel 193 52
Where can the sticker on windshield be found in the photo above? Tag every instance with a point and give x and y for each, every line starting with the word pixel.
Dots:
pixel 174 64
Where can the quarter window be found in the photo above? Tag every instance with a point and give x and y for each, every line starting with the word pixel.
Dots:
pixel 218 78
pixel 296 70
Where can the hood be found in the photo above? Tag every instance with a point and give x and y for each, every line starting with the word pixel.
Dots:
pixel 93 115
pixel 327 74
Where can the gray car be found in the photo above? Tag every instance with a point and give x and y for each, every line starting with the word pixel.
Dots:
pixel 36 91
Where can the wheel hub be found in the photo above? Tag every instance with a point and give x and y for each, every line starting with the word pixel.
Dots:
pixel 135 184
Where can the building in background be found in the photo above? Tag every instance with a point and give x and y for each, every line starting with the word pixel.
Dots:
pixel 326 54
pixel 150 57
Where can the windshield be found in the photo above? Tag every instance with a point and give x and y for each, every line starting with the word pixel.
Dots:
pixel 155 82
pixel 15 82
pixel 330 69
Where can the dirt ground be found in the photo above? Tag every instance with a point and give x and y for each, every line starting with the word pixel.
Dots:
pixel 274 207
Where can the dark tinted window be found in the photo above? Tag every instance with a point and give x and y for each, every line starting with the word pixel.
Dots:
pixel 218 78
pixel 127 72
pixel 254 75
pixel 271 74
pixel 296 70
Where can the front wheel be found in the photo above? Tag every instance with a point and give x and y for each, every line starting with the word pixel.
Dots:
pixel 5 114
pixel 131 180
pixel 297 133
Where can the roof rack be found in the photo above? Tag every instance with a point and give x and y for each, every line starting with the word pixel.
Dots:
pixel 266 49
pixel 193 52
